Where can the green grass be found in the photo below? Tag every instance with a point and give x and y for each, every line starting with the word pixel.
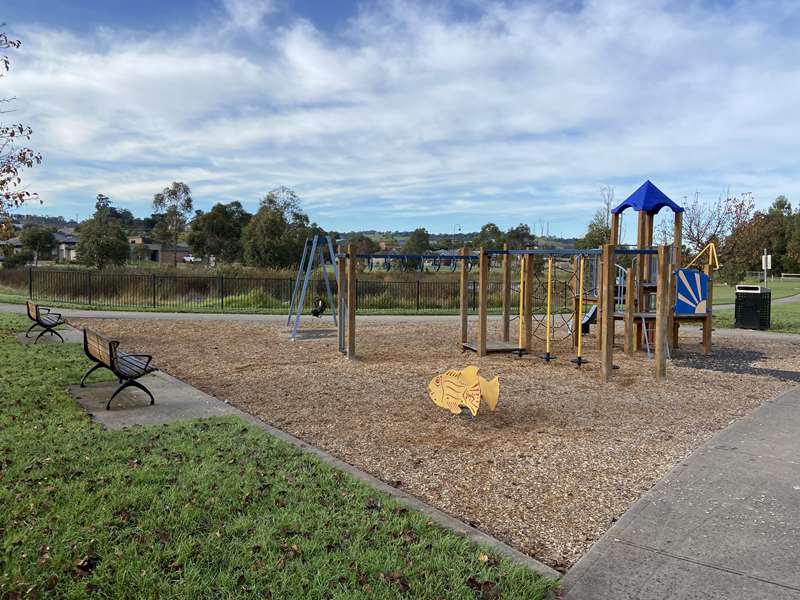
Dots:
pixel 203 509
pixel 781 288
pixel 784 318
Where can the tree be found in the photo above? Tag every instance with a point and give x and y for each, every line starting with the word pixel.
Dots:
pixel 708 221
pixel 597 233
pixel 6 233
pixel 520 237
pixel 275 235
pixel 172 204
pixel 419 242
pixel 607 193
pixel 219 231
pixel 103 240
pixel 489 236
pixel 363 244
pixel 741 249
pixel 39 240
pixel 14 159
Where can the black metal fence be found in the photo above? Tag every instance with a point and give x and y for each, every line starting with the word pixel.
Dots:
pixel 228 294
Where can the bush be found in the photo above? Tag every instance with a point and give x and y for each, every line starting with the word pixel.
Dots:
pixel 18 260
pixel 732 273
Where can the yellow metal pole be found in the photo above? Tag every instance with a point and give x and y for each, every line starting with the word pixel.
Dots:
pixel 521 336
pixel 579 360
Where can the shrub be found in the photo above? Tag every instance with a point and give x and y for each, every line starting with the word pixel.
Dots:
pixel 18 260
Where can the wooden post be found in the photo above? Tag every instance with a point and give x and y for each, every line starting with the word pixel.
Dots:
pixel 614 229
pixel 341 285
pixel 677 240
pixel 483 289
pixel 352 301
pixel 708 322
pixel 662 312
pixel 647 243
pixel 677 261
pixel 630 305
pixel 606 323
pixel 527 305
pixel 506 294
pixel 463 299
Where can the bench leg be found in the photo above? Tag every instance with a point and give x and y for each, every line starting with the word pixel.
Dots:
pixel 90 371
pixel 51 332
pixel 30 329
pixel 130 383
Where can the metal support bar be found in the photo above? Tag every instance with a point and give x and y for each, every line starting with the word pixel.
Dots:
pixel 297 282
pixel 302 299
pixel 327 284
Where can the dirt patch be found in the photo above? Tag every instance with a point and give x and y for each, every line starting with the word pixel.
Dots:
pixel 547 473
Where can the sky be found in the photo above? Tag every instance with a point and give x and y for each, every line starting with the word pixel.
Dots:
pixel 402 114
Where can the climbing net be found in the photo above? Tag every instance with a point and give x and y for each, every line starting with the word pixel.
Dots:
pixel 564 289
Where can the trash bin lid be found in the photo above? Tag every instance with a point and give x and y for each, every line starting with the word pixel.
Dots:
pixel 750 289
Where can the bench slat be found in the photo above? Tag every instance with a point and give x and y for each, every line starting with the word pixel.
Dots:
pixel 97 347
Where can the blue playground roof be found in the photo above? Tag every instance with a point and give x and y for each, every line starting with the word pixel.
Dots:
pixel 647 198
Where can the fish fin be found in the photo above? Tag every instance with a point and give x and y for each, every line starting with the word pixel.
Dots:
pixel 490 390
pixel 469 375
pixel 472 399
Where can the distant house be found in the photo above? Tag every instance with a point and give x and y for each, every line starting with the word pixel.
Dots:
pixel 380 262
pixel 11 245
pixel 388 246
pixel 64 251
pixel 146 249
pixel 66 244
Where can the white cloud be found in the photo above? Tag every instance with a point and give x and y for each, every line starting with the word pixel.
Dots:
pixel 411 117
pixel 248 14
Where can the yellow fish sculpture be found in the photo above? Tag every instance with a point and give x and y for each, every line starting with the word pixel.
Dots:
pixel 465 388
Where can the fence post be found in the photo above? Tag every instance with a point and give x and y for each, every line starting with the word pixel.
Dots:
pixel 30 283
pixel 153 287
pixel 417 295
pixel 222 292
pixel 89 286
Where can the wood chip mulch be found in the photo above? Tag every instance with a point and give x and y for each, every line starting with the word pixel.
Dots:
pixel 548 473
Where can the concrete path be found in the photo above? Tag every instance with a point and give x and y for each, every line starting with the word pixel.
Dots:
pixel 306 322
pixel 724 524
pixel 70 334
pixel 311 328
pixel 175 401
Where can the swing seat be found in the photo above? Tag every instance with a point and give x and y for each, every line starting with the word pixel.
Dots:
pixel 319 308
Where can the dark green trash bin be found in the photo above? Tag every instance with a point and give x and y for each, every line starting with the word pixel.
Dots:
pixel 752 307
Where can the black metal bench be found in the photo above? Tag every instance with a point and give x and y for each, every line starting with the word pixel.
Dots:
pixel 45 318
pixel 127 367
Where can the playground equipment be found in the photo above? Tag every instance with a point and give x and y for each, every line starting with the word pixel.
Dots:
pixel 651 297
pixel 466 388
pixel 637 310
pixel 710 251
pixel 313 258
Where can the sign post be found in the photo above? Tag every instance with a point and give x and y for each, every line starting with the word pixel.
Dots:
pixel 766 265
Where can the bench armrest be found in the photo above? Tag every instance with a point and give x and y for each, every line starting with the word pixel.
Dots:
pixel 146 356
